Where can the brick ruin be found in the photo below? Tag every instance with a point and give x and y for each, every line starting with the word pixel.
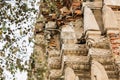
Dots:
pixel 78 40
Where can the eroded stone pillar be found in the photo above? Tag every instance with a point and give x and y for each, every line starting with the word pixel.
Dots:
pixel 90 22
pixel 91 28
pixel 98 72
pixel 69 74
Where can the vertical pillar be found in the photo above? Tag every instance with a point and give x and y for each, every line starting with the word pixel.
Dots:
pixel 91 27
pixel 89 20
pixel 69 74
pixel 98 72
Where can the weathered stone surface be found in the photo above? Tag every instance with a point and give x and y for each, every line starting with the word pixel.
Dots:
pixel 99 52
pixel 94 40
pixel 109 67
pixel 116 31
pixel 78 27
pixel 117 14
pixel 103 59
pixel 82 59
pixel 50 25
pixel 78 65
pixel 69 74
pixel 39 54
pixel 39 27
pixel 70 47
pixel 55 73
pixel 93 5
pixel 68 32
pixel 76 78
pixel 93 32
pixel 64 10
pixel 89 20
pixel 112 2
pixel 101 42
pixel 112 74
pixel 76 52
pixel 77 62
pixel 53 53
pixel 118 60
pixel 54 62
pixel 39 39
pixel 98 72
pixel 110 21
pixel 67 58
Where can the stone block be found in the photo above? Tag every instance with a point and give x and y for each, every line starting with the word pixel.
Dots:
pixel 54 62
pixel 109 18
pixel 50 25
pixel 98 51
pixel 55 73
pixel 90 22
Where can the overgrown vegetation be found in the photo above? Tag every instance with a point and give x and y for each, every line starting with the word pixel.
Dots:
pixel 16 35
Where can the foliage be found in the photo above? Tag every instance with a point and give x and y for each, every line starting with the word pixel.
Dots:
pixel 16 35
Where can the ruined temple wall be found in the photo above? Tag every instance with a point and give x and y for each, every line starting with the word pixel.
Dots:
pixel 75 55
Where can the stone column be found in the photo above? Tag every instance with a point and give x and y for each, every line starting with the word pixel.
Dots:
pixel 98 72
pixel 69 74
pixel 91 27
pixel 89 20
